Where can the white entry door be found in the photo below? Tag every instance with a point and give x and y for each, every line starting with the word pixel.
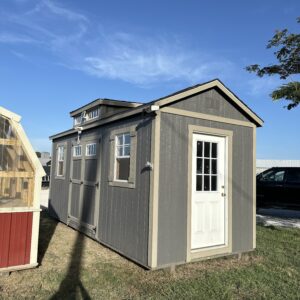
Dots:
pixel 209 201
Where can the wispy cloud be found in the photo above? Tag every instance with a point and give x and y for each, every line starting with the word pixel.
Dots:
pixel 83 44
pixel 148 60
pixel 12 38
pixel 57 10
pixel 263 86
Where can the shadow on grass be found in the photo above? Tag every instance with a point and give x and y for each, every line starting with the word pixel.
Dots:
pixel 82 211
pixel 72 282
pixel 47 229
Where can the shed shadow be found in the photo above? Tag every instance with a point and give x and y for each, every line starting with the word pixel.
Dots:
pixel 71 286
pixel 47 229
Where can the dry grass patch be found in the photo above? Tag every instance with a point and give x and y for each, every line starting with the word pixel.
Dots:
pixel 76 267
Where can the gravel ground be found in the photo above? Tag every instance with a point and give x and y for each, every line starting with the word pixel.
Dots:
pixel 278 218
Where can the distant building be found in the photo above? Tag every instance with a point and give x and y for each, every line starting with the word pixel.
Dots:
pixel 45 160
pixel 264 164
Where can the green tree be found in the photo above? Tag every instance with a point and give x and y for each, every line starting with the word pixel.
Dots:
pixel 288 56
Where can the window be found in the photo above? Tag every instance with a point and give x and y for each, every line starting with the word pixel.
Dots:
pixel 273 175
pixel 91 149
pixel 60 160
pixel 93 114
pixel 77 151
pixel 122 158
pixel 122 162
pixel 206 166
pixel 77 120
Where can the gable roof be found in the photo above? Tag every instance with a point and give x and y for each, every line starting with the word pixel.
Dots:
pixel 15 121
pixel 136 107
pixel 216 83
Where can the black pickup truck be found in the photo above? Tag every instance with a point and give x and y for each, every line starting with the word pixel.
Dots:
pixel 279 187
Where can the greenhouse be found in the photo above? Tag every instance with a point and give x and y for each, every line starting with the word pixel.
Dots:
pixel 20 184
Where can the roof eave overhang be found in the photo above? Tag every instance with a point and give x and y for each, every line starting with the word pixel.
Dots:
pixel 108 102
pixel 9 115
pixel 212 84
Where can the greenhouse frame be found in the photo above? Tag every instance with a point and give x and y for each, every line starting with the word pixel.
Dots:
pixel 20 184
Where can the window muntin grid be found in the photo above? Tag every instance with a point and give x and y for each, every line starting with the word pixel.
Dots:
pixel 207 166
pixel 91 149
pixel 77 151
pixel 122 156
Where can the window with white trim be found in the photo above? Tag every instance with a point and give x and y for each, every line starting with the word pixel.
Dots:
pixel 91 149
pixel 77 120
pixel 60 161
pixel 93 114
pixel 77 150
pixel 122 156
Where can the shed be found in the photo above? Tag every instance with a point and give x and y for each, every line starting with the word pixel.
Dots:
pixel 20 183
pixel 163 183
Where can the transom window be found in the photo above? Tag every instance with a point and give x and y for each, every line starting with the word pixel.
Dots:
pixel 207 166
pixel 77 120
pixel 93 114
pixel 91 149
pixel 77 151
pixel 122 157
pixel 60 160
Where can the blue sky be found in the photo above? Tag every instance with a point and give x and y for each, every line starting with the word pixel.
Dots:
pixel 59 55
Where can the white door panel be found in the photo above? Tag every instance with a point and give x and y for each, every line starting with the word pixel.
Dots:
pixel 208 191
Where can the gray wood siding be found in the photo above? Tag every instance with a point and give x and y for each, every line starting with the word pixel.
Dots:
pixel 124 212
pixel 173 186
pixel 59 189
pixel 211 102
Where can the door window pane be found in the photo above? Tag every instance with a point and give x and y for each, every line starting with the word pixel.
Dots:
pixel 214 183
pixel 199 148
pixel 213 166
pixel 199 165
pixel 206 183
pixel 206 149
pixel 199 183
pixel 206 166
pixel 214 148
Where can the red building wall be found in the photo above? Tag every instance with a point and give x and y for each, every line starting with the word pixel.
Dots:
pixel 15 238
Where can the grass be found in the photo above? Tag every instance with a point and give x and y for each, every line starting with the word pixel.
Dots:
pixel 76 267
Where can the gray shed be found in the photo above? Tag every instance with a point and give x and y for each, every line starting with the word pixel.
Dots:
pixel 162 183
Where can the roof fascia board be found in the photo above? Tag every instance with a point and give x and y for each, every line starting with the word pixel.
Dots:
pixel 115 117
pixel 206 86
pixel 104 102
pixel 10 115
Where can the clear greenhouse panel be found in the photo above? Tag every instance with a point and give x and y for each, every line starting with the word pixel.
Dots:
pixel 16 171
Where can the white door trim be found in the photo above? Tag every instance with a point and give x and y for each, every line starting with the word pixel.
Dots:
pixel 217 250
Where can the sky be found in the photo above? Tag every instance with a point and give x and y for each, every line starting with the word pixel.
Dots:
pixel 59 55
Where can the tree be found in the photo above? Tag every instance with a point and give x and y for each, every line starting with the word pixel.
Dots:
pixel 288 56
